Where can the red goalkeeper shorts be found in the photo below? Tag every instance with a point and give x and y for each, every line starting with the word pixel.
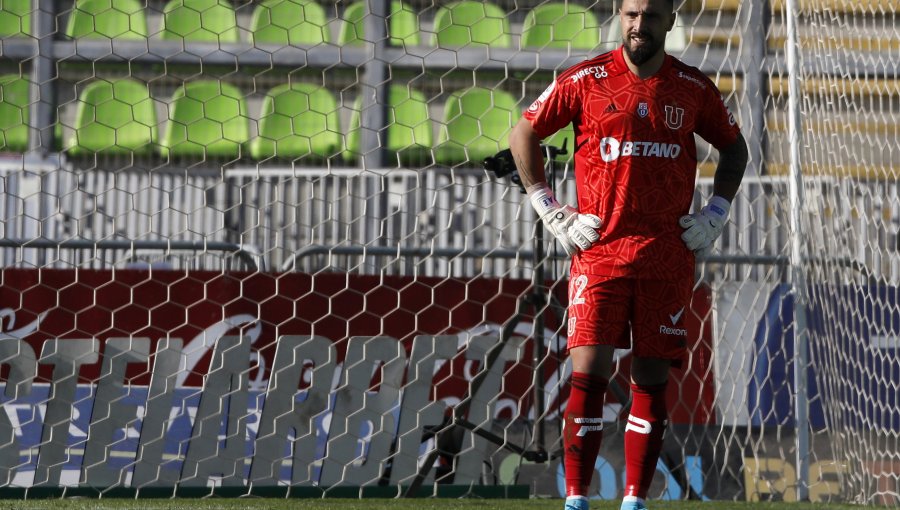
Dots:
pixel 647 316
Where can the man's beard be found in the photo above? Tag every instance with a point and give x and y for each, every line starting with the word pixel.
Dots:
pixel 642 52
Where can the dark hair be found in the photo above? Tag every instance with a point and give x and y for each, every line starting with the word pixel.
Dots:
pixel 670 3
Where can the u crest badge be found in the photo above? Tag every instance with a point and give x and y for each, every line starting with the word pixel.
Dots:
pixel 643 110
pixel 674 117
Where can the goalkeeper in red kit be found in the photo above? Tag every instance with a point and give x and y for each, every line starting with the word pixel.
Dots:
pixel 635 111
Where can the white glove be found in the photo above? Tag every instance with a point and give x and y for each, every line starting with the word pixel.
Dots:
pixel 701 229
pixel 573 230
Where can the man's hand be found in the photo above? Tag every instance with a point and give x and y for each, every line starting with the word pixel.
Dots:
pixel 701 229
pixel 573 230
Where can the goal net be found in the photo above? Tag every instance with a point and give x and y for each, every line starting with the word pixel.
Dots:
pixel 846 106
pixel 253 247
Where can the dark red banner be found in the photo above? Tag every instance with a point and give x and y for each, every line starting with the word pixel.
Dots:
pixel 200 307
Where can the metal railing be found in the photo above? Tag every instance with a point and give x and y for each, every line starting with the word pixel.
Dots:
pixel 439 222
pixel 123 253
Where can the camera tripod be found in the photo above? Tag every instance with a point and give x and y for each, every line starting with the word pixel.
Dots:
pixel 449 434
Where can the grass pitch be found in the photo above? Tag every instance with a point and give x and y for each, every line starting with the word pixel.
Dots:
pixel 381 504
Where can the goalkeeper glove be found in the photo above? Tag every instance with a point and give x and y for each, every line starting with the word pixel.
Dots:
pixel 702 228
pixel 573 230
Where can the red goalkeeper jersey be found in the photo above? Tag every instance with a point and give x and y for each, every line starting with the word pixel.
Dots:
pixel 635 157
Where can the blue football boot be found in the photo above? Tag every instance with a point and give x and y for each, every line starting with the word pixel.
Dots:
pixel 633 505
pixel 577 503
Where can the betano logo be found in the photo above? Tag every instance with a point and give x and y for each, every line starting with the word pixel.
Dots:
pixel 611 149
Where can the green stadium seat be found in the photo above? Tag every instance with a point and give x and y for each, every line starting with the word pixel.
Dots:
pixel 15 18
pixel 409 133
pixel 476 124
pixel 206 119
pixel 560 25
pixel 298 120
pixel 114 117
pixel 289 22
pixel 112 19
pixel 403 24
pixel 14 101
pixel 469 23
pixel 199 20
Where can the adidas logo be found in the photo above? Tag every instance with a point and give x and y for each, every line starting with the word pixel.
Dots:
pixel 611 108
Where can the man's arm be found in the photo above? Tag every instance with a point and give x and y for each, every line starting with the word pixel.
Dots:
pixel 730 170
pixel 574 231
pixel 703 227
pixel 525 146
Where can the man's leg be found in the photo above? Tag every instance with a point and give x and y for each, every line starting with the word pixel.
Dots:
pixel 659 341
pixel 583 420
pixel 645 429
pixel 600 309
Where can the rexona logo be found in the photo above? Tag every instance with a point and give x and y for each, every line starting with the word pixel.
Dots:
pixel 666 330
pixel 611 149
pixel 597 71
pixel 675 331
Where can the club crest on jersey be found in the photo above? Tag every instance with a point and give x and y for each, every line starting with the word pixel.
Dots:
pixel 643 110
pixel 536 105
pixel 674 117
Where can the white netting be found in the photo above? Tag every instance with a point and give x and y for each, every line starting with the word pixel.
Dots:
pixel 849 100
pixel 254 245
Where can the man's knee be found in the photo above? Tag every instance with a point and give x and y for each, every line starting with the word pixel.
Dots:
pixel 592 359
pixel 650 371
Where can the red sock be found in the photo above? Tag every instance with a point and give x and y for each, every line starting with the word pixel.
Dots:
pixel 583 430
pixel 644 437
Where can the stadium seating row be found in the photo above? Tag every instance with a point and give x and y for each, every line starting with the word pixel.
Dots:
pixel 304 22
pixel 806 6
pixel 209 119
